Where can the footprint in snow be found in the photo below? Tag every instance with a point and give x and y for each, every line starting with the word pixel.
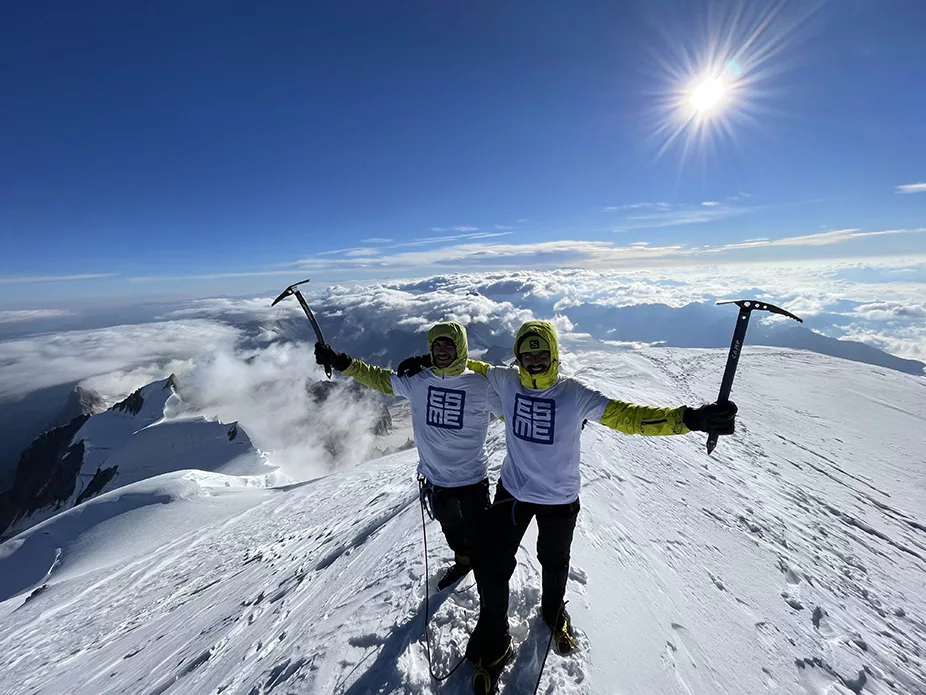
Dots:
pixel 578 575
pixel 821 623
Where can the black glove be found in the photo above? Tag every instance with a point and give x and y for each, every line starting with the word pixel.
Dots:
pixel 412 365
pixel 716 418
pixel 325 354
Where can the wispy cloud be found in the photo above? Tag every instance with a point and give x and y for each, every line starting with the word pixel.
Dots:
pixel 455 228
pixel 375 240
pixel 836 236
pixel 454 237
pixel 9 280
pixel 502 226
pixel 911 188
pixel 360 253
pixel 653 215
pixel 637 206
pixel 335 252
pixel 24 315
pixel 216 276
pixel 664 215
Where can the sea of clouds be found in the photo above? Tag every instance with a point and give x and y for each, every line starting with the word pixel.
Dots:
pixel 241 359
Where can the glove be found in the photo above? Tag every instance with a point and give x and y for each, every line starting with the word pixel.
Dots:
pixel 325 354
pixel 412 365
pixel 716 418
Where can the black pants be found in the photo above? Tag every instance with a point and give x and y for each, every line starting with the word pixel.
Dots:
pixel 505 524
pixel 459 511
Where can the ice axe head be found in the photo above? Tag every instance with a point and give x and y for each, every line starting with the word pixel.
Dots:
pixel 288 291
pixel 319 336
pixel 755 305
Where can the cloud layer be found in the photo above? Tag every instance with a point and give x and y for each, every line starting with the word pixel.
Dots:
pixel 241 359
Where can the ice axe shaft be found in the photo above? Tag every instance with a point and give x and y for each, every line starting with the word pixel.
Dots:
pixel 747 306
pixel 319 336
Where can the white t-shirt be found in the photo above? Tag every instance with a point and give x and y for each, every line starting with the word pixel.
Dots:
pixel 542 430
pixel 450 417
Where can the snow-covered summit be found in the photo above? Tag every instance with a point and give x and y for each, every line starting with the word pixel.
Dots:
pixel 792 561
pixel 130 441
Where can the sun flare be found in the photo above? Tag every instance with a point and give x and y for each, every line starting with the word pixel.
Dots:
pixel 716 79
pixel 708 95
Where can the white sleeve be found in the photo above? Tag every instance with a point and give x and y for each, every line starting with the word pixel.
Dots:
pixel 401 385
pixel 497 377
pixel 493 400
pixel 591 403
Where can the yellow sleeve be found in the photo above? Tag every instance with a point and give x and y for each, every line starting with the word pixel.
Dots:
pixel 368 375
pixel 479 367
pixel 642 419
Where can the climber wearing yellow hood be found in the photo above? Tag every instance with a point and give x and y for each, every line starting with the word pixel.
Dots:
pixel 544 415
pixel 450 407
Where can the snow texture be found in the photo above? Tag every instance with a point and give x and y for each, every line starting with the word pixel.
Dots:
pixel 791 561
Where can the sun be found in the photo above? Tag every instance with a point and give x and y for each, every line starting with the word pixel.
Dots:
pixel 708 95
pixel 714 77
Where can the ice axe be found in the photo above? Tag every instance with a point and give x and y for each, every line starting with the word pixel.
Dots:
pixel 747 306
pixel 294 290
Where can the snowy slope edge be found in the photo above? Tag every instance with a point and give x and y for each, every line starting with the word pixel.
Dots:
pixel 129 442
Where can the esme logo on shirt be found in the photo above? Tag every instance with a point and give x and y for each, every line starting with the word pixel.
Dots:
pixel 445 408
pixel 534 419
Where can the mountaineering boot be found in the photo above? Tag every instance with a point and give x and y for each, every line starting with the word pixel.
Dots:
pixel 485 679
pixel 564 641
pixel 459 569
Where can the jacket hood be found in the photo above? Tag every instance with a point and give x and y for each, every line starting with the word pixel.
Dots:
pixel 457 333
pixel 546 331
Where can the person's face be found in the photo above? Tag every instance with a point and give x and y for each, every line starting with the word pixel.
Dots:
pixel 443 352
pixel 536 361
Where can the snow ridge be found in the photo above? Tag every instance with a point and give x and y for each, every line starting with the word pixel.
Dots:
pixel 791 561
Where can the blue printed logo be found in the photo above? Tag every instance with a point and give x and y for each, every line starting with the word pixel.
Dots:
pixel 534 419
pixel 445 408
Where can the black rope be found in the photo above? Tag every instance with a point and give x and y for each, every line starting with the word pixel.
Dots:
pixel 549 644
pixel 427 603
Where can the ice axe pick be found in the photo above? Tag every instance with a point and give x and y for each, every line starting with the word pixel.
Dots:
pixel 747 306
pixel 294 290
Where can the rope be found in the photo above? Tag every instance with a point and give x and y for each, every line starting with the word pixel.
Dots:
pixel 549 644
pixel 427 605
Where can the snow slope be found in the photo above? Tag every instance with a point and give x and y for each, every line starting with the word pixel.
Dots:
pixel 791 561
pixel 142 437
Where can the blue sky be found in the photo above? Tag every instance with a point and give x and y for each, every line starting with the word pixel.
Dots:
pixel 180 148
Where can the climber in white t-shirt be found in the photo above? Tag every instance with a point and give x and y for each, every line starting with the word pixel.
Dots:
pixel 450 405
pixel 544 415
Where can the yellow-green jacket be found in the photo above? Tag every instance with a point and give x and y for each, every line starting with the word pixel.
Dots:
pixel 543 422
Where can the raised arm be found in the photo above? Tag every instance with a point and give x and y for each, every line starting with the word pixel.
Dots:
pixel 375 377
pixel 371 375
